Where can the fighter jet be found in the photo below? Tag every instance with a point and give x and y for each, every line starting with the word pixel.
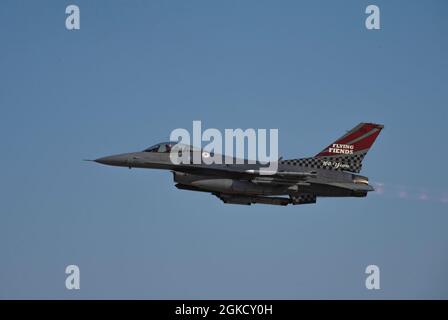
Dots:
pixel 330 173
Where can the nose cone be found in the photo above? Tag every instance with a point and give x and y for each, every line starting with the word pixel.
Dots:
pixel 115 160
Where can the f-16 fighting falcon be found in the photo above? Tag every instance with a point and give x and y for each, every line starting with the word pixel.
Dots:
pixel 330 173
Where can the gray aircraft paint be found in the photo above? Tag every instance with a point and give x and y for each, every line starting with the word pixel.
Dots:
pixel 299 181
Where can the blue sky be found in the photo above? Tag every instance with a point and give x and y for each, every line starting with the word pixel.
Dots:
pixel 137 70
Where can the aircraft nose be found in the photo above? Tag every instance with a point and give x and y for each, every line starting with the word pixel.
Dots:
pixel 115 160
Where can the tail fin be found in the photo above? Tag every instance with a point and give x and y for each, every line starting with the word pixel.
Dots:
pixel 347 152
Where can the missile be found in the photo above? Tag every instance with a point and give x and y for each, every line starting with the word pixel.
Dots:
pixel 282 173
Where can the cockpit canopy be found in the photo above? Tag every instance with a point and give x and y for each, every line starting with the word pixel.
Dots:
pixel 165 147
pixel 161 147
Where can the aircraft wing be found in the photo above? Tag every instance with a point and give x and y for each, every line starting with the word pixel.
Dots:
pixel 283 177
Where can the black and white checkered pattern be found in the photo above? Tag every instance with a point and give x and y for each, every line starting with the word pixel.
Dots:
pixel 303 198
pixel 351 163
